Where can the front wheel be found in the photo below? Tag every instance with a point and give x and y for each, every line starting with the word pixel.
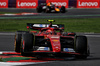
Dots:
pixel 27 43
pixel 82 47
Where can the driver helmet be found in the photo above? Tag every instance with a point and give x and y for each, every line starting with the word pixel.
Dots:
pixel 49 3
pixel 49 31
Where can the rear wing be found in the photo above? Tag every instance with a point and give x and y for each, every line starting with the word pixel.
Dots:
pixel 40 26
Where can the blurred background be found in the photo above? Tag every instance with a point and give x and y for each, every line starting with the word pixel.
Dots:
pixel 67 3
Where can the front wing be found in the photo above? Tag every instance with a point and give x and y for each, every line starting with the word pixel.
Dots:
pixel 51 53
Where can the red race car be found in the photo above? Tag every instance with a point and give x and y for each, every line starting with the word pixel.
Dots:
pixel 50 40
pixel 50 9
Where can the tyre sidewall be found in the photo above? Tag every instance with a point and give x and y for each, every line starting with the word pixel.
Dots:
pixel 18 36
pixel 82 47
pixel 62 9
pixel 26 43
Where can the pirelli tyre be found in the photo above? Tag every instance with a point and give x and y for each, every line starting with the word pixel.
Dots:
pixel 63 10
pixel 17 44
pixel 39 9
pixel 26 43
pixel 82 47
pixel 17 41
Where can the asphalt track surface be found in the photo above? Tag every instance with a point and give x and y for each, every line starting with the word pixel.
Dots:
pixel 7 44
pixel 71 13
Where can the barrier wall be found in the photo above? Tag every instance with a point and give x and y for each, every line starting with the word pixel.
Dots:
pixel 59 2
pixel 72 3
pixel 26 3
pixel 3 3
pixel 35 3
pixel 88 3
pixel 11 3
pixel 41 2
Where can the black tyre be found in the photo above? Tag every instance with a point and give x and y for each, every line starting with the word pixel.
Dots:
pixel 39 9
pixel 17 41
pixel 17 44
pixel 27 43
pixel 62 10
pixel 82 47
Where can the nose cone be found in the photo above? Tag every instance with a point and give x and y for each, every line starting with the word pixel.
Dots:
pixel 55 42
pixel 56 49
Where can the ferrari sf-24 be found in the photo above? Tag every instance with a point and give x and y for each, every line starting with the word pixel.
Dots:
pixel 50 40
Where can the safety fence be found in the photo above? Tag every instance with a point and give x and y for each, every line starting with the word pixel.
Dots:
pixel 35 3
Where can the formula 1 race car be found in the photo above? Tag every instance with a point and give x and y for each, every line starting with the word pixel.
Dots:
pixel 50 9
pixel 51 40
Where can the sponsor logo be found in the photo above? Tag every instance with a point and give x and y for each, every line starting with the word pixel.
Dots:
pixel 60 3
pixel 27 4
pixel 3 3
pixel 44 48
pixel 41 25
pixel 55 40
pixel 68 50
pixel 54 37
pixel 88 3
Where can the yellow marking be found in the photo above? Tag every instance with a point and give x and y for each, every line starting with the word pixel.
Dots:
pixel 55 40
pixel 56 49
pixel 57 9
pixel 50 20
pixel 45 37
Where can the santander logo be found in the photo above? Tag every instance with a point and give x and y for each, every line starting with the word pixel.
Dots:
pixel 60 3
pixel 26 4
pixel 3 3
pixel 88 3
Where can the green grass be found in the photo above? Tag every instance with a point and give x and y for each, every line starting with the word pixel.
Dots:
pixel 15 59
pixel 6 13
pixel 71 25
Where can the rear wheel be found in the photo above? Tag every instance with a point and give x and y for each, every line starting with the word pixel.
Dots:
pixel 17 41
pixel 18 36
pixel 26 44
pixel 62 10
pixel 82 47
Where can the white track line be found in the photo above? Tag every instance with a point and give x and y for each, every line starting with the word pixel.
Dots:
pixel 92 35
pixel 19 63
pixel 7 33
pixel 8 52
pixel 1 52
pixel 20 14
